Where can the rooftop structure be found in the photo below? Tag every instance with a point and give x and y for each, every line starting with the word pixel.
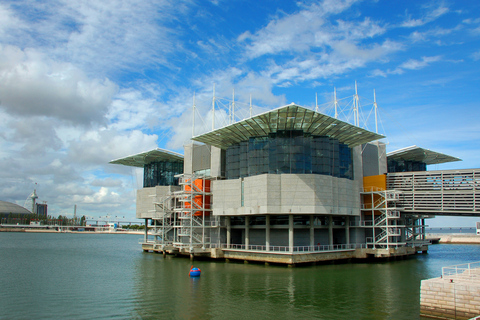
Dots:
pixel 426 156
pixel 12 208
pixel 147 157
pixel 288 118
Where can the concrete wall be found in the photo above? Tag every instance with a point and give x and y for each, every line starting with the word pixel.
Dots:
pixel 217 162
pixel 374 159
pixel 451 300
pixel 196 157
pixel 146 198
pixel 285 194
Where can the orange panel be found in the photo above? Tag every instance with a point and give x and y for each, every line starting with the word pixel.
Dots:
pixel 372 183
pixel 200 184
pixel 199 203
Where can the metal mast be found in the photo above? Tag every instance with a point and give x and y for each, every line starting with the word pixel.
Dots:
pixel 336 102
pixel 233 106
pixel 316 102
pixel 213 108
pixel 250 105
pixel 355 107
pixel 193 116
pixel 375 105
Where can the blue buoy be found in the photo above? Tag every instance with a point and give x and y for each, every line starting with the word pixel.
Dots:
pixel 195 272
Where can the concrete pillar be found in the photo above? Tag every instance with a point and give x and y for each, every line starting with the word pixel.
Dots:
pixel 312 232
pixel 267 232
pixel 229 232
pixel 247 232
pixel 423 229
pixel 146 230
pixel 290 232
pixel 347 229
pixel 330 230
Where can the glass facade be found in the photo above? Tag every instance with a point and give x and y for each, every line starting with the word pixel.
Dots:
pixel 289 152
pixel 161 173
pixel 405 166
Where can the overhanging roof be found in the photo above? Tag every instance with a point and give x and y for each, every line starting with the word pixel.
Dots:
pixel 155 155
pixel 290 117
pixel 426 156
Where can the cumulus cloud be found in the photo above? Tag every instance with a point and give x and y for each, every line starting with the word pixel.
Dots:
pixel 98 147
pixel 33 85
pixel 309 27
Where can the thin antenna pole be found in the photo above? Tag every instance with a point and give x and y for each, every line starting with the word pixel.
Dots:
pixel 376 110
pixel 233 106
pixel 336 102
pixel 250 105
pixel 213 108
pixel 355 107
pixel 316 102
pixel 193 116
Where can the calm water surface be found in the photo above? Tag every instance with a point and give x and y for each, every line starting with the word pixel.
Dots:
pixel 101 276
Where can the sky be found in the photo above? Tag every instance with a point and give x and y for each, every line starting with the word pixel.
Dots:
pixel 85 82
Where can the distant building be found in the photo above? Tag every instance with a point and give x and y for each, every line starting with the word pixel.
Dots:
pixel 293 185
pixel 42 209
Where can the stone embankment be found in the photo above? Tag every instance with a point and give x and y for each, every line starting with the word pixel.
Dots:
pixel 454 238
pixel 455 295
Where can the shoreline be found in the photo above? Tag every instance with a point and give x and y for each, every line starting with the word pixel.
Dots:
pixel 28 230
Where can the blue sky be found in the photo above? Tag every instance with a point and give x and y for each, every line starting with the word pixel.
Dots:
pixel 84 82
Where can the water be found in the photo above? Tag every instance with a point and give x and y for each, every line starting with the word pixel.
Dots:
pixel 90 276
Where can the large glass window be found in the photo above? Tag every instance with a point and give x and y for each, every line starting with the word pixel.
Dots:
pixel 289 152
pixel 406 166
pixel 161 173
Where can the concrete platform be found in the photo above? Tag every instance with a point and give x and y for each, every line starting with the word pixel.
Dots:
pixel 287 258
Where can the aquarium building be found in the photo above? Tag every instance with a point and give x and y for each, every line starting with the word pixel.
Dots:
pixel 292 185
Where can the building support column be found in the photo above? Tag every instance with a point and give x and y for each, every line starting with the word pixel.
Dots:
pixel 347 229
pixel 247 232
pixel 290 232
pixel 423 229
pixel 330 230
pixel 229 232
pixel 146 230
pixel 312 233
pixel 267 232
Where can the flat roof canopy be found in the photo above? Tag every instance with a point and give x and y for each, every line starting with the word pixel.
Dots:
pixel 426 156
pixel 290 117
pixel 155 155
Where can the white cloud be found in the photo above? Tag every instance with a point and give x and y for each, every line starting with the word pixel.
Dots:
pixel 299 32
pixel 33 85
pixel 96 148
pixel 433 12
pixel 413 64
pixel 476 55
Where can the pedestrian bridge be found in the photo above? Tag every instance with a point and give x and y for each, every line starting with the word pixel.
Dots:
pixel 443 192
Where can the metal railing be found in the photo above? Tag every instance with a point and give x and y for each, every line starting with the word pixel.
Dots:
pixel 318 248
pixel 466 271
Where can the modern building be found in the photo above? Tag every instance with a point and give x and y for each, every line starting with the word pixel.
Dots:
pixel 292 185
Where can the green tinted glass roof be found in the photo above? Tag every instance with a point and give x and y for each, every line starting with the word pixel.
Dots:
pixel 155 155
pixel 415 153
pixel 290 117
